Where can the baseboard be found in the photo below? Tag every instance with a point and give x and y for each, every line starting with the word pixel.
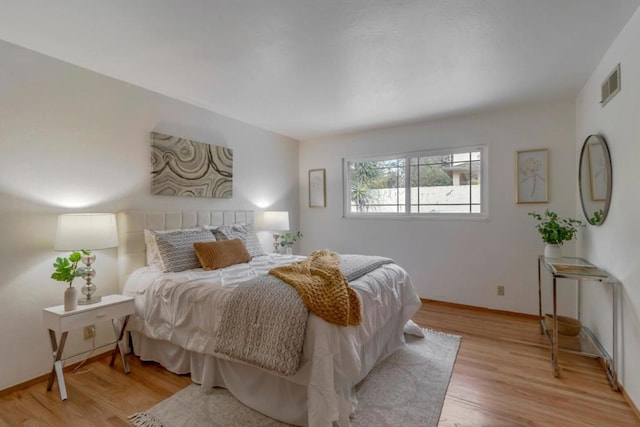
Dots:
pixel 476 308
pixel 633 406
pixel 44 377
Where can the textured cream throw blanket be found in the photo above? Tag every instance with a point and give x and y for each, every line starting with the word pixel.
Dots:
pixel 264 318
pixel 323 288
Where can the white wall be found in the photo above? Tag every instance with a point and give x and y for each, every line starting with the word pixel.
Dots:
pixel 72 140
pixel 615 245
pixel 455 261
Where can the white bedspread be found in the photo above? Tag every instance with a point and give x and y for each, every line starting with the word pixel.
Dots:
pixel 181 308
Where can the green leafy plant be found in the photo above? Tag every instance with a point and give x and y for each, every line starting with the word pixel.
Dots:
pixel 66 269
pixel 287 239
pixel 555 230
pixel 597 216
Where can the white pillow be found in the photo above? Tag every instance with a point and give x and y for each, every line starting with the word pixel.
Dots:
pixel 411 328
pixel 153 258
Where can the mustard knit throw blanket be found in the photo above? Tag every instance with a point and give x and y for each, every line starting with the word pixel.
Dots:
pixel 323 288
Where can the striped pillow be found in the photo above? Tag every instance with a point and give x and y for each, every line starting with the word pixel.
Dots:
pixel 214 255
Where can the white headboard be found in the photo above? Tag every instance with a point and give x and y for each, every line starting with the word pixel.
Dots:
pixel 131 226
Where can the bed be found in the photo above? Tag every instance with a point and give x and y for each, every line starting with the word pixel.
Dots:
pixel 175 324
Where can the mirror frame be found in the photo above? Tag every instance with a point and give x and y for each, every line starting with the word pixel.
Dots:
pixel 607 160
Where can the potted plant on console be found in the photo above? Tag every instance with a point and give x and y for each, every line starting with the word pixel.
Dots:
pixel 555 231
pixel 288 239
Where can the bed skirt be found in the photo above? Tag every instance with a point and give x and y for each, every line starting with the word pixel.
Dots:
pixel 290 399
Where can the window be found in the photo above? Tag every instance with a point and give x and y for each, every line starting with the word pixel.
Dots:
pixel 441 183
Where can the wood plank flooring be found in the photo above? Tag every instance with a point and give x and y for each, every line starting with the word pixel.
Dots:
pixel 502 377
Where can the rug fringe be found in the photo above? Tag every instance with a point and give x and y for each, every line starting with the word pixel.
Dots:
pixel 142 419
pixel 433 331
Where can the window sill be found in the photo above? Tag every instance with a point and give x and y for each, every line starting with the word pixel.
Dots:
pixel 417 217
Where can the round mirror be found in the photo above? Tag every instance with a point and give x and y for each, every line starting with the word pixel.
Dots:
pixel 594 179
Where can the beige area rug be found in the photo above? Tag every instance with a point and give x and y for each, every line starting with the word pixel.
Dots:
pixel 407 389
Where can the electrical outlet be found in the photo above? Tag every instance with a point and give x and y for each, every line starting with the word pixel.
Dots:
pixel 89 332
pixel 500 290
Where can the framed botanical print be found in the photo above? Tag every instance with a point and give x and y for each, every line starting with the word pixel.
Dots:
pixel 532 176
pixel 317 188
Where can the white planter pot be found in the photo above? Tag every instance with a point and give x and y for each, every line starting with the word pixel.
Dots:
pixel 70 299
pixel 552 251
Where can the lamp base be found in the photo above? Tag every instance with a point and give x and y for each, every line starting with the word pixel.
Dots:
pixel 87 301
pixel 276 244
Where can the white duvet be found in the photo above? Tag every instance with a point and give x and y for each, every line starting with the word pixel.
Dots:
pixel 185 308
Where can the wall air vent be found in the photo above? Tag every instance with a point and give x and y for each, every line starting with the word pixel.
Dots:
pixel 610 86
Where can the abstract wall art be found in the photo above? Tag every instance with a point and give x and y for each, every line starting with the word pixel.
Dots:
pixel 184 167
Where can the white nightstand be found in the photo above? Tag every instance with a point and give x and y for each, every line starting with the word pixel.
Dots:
pixel 61 322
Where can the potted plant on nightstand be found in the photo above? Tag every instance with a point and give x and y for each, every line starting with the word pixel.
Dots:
pixel 555 231
pixel 287 240
pixel 66 269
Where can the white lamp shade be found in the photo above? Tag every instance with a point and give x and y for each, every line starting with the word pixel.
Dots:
pixel 275 221
pixel 86 231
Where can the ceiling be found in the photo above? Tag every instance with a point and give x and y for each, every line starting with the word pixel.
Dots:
pixel 310 68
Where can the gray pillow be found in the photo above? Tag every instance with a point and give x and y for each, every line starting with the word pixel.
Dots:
pixel 176 248
pixel 243 232
pixel 153 257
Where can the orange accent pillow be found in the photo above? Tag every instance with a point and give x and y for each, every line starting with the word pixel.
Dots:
pixel 214 255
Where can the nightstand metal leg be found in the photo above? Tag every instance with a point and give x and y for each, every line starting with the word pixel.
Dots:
pixel 56 370
pixel 120 344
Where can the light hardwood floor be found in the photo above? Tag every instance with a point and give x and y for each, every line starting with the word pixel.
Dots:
pixel 502 377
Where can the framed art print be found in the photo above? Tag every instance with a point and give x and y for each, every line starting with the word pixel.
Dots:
pixel 317 188
pixel 532 176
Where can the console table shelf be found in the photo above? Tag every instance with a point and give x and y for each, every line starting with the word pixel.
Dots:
pixel 585 343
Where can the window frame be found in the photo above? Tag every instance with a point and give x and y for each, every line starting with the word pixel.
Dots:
pixel 484 185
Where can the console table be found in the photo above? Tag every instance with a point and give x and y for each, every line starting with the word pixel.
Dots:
pixel 585 343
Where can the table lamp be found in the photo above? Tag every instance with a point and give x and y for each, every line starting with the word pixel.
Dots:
pixel 275 221
pixel 88 231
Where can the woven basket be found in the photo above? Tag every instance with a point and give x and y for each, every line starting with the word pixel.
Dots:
pixel 566 325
